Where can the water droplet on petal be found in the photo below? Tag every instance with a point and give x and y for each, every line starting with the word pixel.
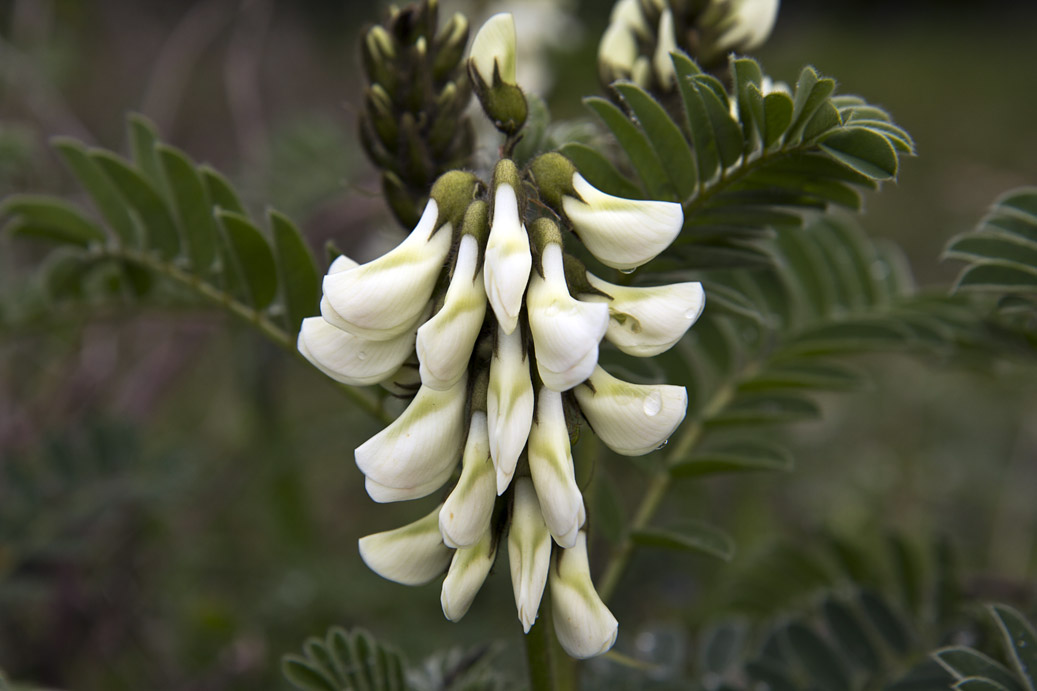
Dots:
pixel 663 445
pixel 691 313
pixel 627 271
pixel 653 403
pixel 361 355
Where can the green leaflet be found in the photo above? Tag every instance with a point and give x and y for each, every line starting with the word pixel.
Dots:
pixel 253 256
pixel 296 272
pixel 143 141
pixel 690 536
pixel 102 191
pixel 863 150
pixel 965 662
pixel 600 172
pixel 735 458
pixel 344 661
pixel 1020 643
pixel 637 147
pixel 140 194
pixel 193 208
pixel 50 218
pixel 664 136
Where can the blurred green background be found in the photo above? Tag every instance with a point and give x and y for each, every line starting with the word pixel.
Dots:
pixel 178 500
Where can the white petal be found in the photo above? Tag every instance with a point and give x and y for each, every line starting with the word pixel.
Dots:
pixel 567 379
pixel 584 625
pixel 383 494
pixel 411 555
pixel 621 233
pixel 551 466
pixel 508 260
pixel 468 570
pixel 421 444
pixel 617 52
pixel 352 359
pixel 445 342
pixel 750 25
pixel 646 321
pixel 631 419
pixel 383 298
pixel 565 330
pixel 466 513
pixel 509 405
pixel 342 263
pixel 628 13
pixel 495 43
pixel 529 552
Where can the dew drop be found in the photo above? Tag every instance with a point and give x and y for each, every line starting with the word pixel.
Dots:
pixel 627 271
pixel 691 313
pixel 361 355
pixel 653 403
pixel 663 445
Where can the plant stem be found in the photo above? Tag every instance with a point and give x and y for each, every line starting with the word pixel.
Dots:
pixel 550 668
pixel 254 317
pixel 657 488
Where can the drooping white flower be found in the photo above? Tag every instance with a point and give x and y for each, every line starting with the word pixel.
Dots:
pixel 646 321
pixel 617 53
pixel 445 342
pixel 508 259
pixel 584 625
pixel 466 513
pixel 631 419
pixel 509 405
pixel 385 297
pixel 666 44
pixel 566 331
pixel 551 467
pixel 749 25
pixel 621 233
pixel 384 494
pixel 411 555
pixel 493 49
pixel 529 552
pixel 421 444
pixel 468 570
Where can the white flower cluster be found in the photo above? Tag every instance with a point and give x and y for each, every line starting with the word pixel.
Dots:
pixel 505 327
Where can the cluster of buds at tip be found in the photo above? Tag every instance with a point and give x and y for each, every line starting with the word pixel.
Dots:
pixel 642 33
pixel 491 66
pixel 488 323
pixel 413 124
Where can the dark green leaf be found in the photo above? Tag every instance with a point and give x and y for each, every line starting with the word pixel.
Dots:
pixel 253 256
pixel 851 636
pixel 812 93
pixel 862 150
pixel 979 684
pixel 764 409
pixel 907 571
pixel 637 147
pixel 194 210
pixel 689 536
pixel 1020 640
pixel 665 137
pixel 699 127
pixel 296 272
pixel 101 190
pixel 847 337
pixel 734 458
pixel 600 172
pixel 808 374
pixel 607 507
pixel 300 674
pixel 221 192
pixel 825 119
pixel 997 277
pixel 965 662
pixel 1023 200
pixel 1005 249
pixel 728 135
pixel 143 139
pixel 722 647
pixel 825 668
pixel 722 300
pixel 50 218
pixel 887 623
pixel 769 674
pixel 777 108
pixel 161 232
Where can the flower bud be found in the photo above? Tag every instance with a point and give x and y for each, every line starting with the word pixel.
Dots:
pixel 566 331
pixel 748 25
pixel 646 321
pixel 584 625
pixel 631 419
pixel 420 445
pixel 491 66
pixel 509 405
pixel 449 46
pixel 529 552
pixel 445 342
pixel 508 259
pixel 385 297
pixel 551 466
pixel 468 571
pixel 411 555
pixel 616 53
pixel 466 513
pixel 665 44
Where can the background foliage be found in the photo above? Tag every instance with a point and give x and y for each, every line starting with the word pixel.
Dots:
pixel 178 502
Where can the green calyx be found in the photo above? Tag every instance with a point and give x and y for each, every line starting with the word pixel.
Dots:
pixel 453 192
pixel 503 103
pixel 552 174
pixel 477 221
pixel 543 232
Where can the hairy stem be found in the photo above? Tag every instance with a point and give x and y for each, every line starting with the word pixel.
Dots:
pixel 254 317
